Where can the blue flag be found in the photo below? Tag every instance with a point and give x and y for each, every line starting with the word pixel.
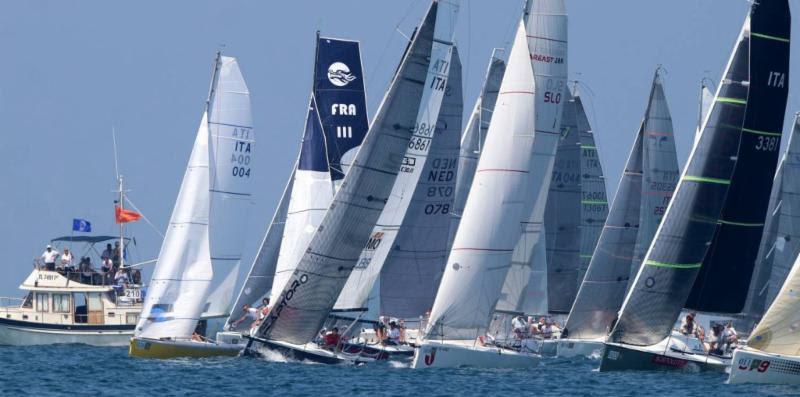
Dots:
pixel 81 225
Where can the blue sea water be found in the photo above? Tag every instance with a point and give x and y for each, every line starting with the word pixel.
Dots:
pixel 82 370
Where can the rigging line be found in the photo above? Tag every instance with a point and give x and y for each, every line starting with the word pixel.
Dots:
pixel 147 220
pixel 371 77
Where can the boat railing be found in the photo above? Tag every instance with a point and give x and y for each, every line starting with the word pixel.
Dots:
pixel 92 276
pixel 7 302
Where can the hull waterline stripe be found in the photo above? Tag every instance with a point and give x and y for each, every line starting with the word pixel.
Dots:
pixel 768 37
pixel 673 265
pixel 692 178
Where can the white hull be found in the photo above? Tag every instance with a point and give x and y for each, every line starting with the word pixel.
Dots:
pixel 590 348
pixel 13 335
pixel 452 354
pixel 754 366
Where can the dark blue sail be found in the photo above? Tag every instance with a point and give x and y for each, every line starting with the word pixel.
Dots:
pixel 312 150
pixel 341 101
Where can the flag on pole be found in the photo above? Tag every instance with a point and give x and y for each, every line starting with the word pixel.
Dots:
pixel 125 216
pixel 81 225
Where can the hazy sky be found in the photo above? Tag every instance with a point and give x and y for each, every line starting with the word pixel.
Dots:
pixel 73 69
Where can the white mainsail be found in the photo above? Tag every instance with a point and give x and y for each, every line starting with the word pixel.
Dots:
pixel 185 272
pixel 231 144
pixel 547 40
pixel 498 201
pixel 382 239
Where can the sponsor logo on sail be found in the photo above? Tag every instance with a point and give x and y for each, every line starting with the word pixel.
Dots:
pixel 339 74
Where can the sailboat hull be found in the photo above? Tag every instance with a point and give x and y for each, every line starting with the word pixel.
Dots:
pixel 617 357
pixel 453 354
pixel 754 366
pixel 309 352
pixel 166 349
pixel 570 348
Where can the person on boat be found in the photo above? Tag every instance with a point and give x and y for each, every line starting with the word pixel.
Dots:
pixel 121 277
pixel 107 253
pixel 264 308
pixel 117 258
pixel 547 330
pixel 729 336
pixel 251 313
pixel 331 339
pixel 49 257
pixel 714 341
pixel 66 261
pixel 393 335
pixel 519 326
pixel 689 328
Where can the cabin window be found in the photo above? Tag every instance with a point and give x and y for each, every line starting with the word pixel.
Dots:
pixel 42 302
pixel 61 303
pixel 28 302
pixel 132 318
pixel 94 301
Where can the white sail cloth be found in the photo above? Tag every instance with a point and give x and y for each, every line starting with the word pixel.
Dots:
pixel 189 269
pixel 497 202
pixel 546 30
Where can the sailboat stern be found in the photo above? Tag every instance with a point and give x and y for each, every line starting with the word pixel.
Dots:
pixel 755 366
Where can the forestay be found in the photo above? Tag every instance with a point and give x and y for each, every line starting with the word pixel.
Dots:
pixel 719 205
pixel 335 127
pixel 413 268
pixel 546 31
pixel 780 244
pixel 479 260
pixel 644 191
pixel 186 265
pixel 382 239
pixel 474 137
pixel 310 293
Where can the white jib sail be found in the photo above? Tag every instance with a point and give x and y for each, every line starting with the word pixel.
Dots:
pixel 547 41
pixel 361 281
pixel 497 202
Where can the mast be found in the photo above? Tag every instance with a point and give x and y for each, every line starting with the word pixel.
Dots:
pixel 121 193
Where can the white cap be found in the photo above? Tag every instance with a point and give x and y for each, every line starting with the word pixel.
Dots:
pixel 49 246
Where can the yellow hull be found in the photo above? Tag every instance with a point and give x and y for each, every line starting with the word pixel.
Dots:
pixel 164 349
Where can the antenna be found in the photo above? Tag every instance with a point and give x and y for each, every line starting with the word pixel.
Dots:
pixel 116 163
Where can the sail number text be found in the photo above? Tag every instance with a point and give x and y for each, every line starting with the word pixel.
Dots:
pixel 240 158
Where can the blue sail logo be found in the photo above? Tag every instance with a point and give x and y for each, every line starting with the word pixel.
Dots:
pixel 339 74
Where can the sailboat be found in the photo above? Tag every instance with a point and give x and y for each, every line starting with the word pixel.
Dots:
pixel 474 136
pixel 335 126
pixel 772 353
pixel 546 27
pixel 780 244
pixel 645 189
pixel 483 244
pixel 399 269
pixel 704 251
pixel 193 280
pixel 403 129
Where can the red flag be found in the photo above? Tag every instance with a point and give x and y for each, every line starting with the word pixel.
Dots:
pixel 125 216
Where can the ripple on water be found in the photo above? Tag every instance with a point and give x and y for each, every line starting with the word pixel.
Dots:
pixel 83 370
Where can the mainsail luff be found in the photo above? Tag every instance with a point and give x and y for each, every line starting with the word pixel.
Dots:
pixel 546 31
pixel 497 202
pixel 413 268
pixel 312 290
pixel 647 183
pixel 780 243
pixel 335 127
pixel 731 149
pixel 362 279
pixel 475 135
